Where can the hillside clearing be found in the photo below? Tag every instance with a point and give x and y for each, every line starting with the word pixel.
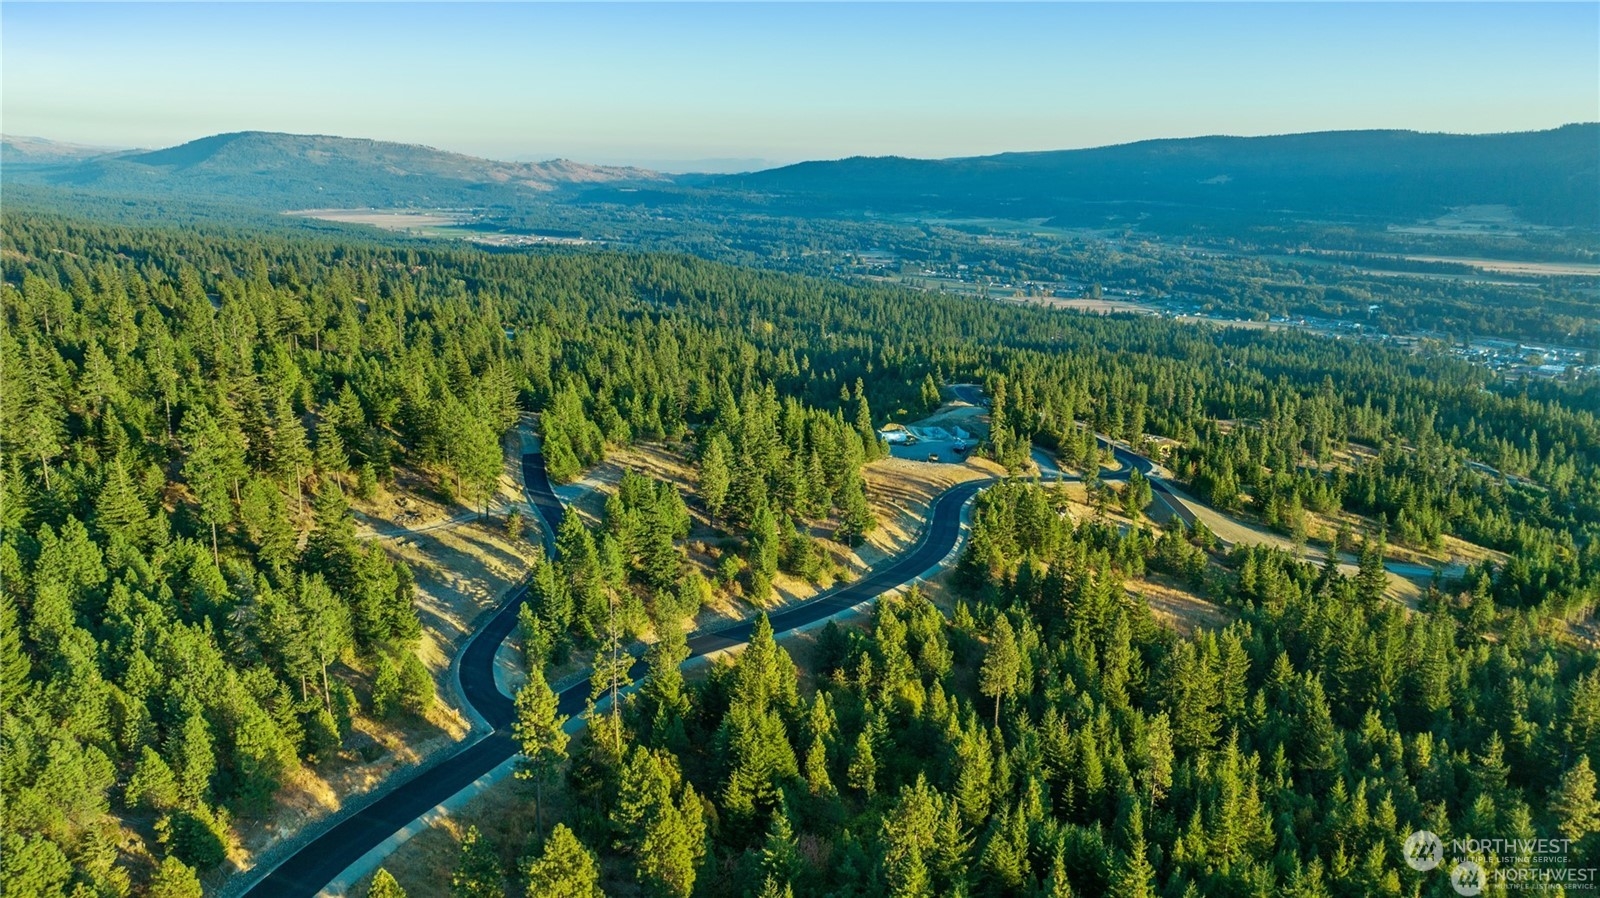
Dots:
pixel 463 566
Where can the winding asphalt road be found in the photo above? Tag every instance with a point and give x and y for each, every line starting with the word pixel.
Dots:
pixel 319 861
pixel 1166 504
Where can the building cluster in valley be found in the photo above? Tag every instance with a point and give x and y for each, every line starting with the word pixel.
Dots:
pixel 1520 360
pixel 512 240
pixel 1510 358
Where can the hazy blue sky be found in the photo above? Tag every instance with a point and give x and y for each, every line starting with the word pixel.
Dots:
pixel 656 82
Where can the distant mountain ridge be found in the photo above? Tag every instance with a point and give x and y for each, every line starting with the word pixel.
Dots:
pixel 1365 178
pixel 260 151
pixel 18 149
pixel 1548 177
pixel 296 170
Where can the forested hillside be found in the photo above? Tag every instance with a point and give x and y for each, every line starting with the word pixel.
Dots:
pixel 1548 177
pixel 1047 738
pixel 188 616
pixel 273 171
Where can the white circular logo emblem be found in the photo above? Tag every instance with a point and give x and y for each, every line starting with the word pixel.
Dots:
pixel 1467 878
pixel 1424 850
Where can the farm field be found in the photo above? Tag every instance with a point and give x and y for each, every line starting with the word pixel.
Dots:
pixel 425 222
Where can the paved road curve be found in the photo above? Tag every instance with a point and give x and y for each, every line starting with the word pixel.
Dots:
pixel 318 862
pixel 1165 505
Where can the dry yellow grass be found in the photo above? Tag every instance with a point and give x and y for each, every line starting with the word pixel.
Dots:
pixel 388 219
pixel 503 814
pixel 1584 634
pixel 900 493
pixel 313 793
pixel 1409 574
pixel 940 589
pixel 1508 266
pixel 1175 605
pixel 462 569
pixel 1076 502
pixel 1095 306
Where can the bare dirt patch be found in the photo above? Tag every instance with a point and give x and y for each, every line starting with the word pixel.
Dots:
pixel 663 462
pixel 974 419
pixel 312 794
pixel 940 589
pixel 658 461
pixel 1459 550
pixel 969 417
pixel 1583 633
pixel 461 572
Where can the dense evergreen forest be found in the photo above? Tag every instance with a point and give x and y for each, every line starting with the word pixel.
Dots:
pixel 187 616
